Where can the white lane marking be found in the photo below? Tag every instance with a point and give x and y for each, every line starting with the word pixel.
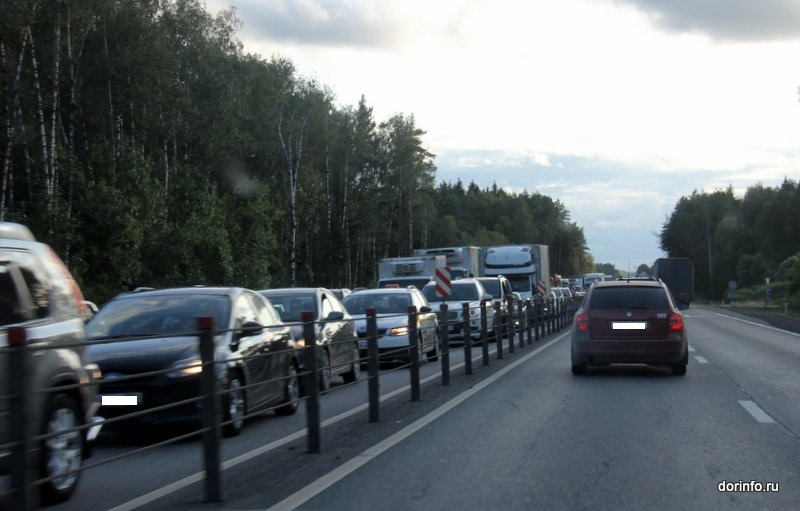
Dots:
pixel 758 324
pixel 757 413
pixel 238 460
pixel 700 360
pixel 323 483
pixel 691 348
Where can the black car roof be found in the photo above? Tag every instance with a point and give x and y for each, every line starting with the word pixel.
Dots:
pixel 292 290
pixel 628 283
pixel 179 291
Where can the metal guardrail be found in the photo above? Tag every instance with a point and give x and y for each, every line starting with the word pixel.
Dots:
pixel 536 320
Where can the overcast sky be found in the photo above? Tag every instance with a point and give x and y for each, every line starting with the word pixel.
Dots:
pixel 615 107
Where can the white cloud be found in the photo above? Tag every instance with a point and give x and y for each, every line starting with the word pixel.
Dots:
pixel 616 97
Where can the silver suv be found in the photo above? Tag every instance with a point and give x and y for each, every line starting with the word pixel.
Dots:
pixel 38 293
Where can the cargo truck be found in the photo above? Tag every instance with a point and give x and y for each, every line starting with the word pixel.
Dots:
pixel 408 271
pixel 527 268
pixel 464 262
pixel 678 274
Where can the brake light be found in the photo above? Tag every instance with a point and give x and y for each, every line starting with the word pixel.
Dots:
pixel 675 322
pixel 582 322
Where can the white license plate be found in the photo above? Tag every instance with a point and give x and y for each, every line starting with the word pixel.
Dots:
pixel 121 399
pixel 629 325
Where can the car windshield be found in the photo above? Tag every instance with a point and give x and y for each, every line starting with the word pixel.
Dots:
pixel 458 293
pixel 492 286
pixel 520 284
pixel 291 307
pixel 629 298
pixel 153 315
pixel 383 303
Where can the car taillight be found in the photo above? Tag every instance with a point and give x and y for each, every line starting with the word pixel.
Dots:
pixel 582 322
pixel 675 322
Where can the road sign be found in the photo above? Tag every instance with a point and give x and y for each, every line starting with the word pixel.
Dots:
pixel 442 281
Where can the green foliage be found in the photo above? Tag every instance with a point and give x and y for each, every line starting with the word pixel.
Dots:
pixel 751 270
pixel 171 158
pixel 735 239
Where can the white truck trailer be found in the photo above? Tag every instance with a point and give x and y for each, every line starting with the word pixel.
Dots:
pixel 463 262
pixel 527 267
pixel 408 271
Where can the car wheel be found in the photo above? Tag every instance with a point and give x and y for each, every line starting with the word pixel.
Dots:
pixel 355 369
pixel 578 368
pixel 62 453
pixel 325 371
pixel 291 393
pixel 234 407
pixel 679 369
pixel 433 354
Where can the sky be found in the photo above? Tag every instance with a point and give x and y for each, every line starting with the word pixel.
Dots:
pixel 617 108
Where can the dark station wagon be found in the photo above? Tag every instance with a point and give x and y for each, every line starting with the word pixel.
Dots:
pixel 629 321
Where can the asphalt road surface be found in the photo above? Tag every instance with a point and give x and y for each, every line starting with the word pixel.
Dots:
pixel 522 433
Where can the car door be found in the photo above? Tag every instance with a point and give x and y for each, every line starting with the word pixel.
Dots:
pixel 279 349
pixel 427 320
pixel 336 332
pixel 251 348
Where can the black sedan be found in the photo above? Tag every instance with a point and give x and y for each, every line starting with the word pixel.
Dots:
pixel 152 358
pixel 336 336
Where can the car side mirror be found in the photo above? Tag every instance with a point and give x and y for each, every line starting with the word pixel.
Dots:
pixel 335 316
pixel 425 309
pixel 249 329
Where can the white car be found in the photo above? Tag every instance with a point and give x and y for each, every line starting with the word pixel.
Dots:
pixel 391 312
pixel 470 291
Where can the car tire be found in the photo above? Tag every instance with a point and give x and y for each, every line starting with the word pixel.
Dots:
pixel 291 393
pixel 61 453
pixel 679 369
pixel 578 368
pixel 325 371
pixel 234 403
pixel 355 369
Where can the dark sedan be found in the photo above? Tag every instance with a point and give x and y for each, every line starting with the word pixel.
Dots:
pixel 256 360
pixel 335 332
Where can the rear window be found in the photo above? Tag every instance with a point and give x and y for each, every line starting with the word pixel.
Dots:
pixel 629 298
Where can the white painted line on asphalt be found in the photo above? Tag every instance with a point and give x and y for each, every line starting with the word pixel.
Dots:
pixel 700 360
pixel 690 348
pixel 758 324
pixel 757 413
pixel 323 483
pixel 198 476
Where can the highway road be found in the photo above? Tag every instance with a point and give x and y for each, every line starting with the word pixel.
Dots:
pixel 522 433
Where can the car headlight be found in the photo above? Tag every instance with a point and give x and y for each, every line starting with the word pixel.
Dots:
pixel 399 330
pixel 186 367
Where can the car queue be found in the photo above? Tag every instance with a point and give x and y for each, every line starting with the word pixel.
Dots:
pixel 136 359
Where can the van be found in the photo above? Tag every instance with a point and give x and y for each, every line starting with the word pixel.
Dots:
pixel 38 294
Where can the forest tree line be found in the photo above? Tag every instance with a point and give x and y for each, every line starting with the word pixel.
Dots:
pixel 143 143
pixel 745 239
